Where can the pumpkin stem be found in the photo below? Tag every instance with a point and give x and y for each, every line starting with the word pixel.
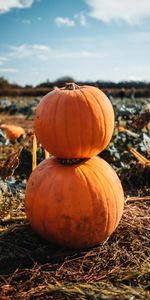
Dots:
pixel 71 86
pixel 71 161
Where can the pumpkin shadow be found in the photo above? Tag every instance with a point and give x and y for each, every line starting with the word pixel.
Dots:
pixel 23 249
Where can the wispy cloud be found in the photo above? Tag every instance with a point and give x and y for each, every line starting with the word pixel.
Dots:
pixel 37 50
pixel 60 21
pixel 81 18
pixel 77 54
pixel 3 60
pixel 8 70
pixel 45 53
pixel 130 11
pixel 7 5
pixel 26 21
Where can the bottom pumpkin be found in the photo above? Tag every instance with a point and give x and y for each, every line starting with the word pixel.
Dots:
pixel 75 206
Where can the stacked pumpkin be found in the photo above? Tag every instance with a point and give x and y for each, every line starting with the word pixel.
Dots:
pixel 75 198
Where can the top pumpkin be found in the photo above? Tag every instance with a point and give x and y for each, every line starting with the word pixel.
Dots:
pixel 75 121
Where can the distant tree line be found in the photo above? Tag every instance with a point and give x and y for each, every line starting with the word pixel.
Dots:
pixel 142 88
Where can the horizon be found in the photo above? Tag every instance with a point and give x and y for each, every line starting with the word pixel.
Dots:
pixel 128 83
pixel 89 40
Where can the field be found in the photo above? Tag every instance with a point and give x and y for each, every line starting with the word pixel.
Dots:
pixel 118 268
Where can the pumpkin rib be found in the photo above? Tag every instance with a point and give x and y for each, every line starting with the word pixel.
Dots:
pixel 54 131
pixel 107 219
pixel 66 214
pixel 99 103
pixel 110 184
pixel 66 131
pixel 46 210
pixel 32 216
pixel 70 142
pixel 70 214
pixel 91 138
pixel 107 180
pixel 105 99
pixel 55 122
pixel 34 205
pixel 111 112
pixel 60 143
pixel 66 95
pixel 78 105
pixel 45 205
pixel 89 191
pixel 103 124
pixel 38 171
pixel 44 124
pixel 44 177
pixel 28 192
pixel 112 192
pixel 40 126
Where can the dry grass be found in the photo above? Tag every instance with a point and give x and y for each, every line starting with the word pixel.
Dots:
pixel 117 269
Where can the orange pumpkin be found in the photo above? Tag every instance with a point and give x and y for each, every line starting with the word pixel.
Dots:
pixel 12 131
pixel 75 206
pixel 74 122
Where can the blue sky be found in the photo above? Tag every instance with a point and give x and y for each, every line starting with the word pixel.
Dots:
pixel 85 39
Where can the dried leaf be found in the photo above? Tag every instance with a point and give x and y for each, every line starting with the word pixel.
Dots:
pixel 142 120
pixel 9 166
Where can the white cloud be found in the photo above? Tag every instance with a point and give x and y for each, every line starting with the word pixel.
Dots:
pixel 36 50
pixel 81 18
pixel 130 11
pixel 60 21
pixel 8 70
pixel 7 5
pixel 45 53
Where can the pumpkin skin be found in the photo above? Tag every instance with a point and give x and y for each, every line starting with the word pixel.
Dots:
pixel 75 123
pixel 76 206
pixel 12 131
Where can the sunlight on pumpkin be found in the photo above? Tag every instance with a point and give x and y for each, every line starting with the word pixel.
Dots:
pixel 46 154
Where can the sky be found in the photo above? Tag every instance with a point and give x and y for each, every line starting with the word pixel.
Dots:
pixel 91 40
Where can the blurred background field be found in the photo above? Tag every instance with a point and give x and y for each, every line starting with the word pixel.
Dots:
pixel 45 44
pixel 118 268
